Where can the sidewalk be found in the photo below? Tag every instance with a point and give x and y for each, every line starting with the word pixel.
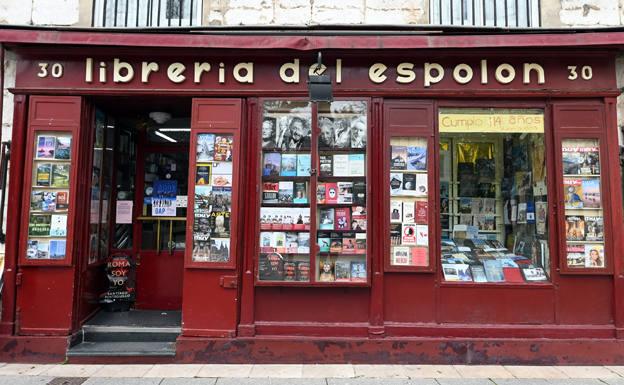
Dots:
pixel 31 374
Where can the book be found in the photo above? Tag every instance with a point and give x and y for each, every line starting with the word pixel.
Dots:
pixel 303 271
pixel 408 232
pixel 60 175
pixel 266 242
pixel 203 174
pixel 478 273
pixel 530 212
pixel 271 164
pixel 323 241
pixel 594 228
pixel 301 192
pixel 522 213
pixel 342 220
pixel 396 184
pixel 291 244
pixel 401 256
pixel 62 149
pixel 476 206
pixel 358 271
pixel 409 210
pixel 279 241
pixel 345 192
pixel 58 226
pixel 359 193
pixel 594 255
pixel 357 165
pixel 454 272
pixel 39 225
pixel 331 193
pixel 326 165
pixel 534 274
pixel 360 243
pixel 590 193
pixel 304 164
pixel 494 270
pixel 341 165
pixel 348 243
pixel 396 211
pixel 575 255
pixel 422 212
pixel 270 192
pixel 398 158
pixel 289 165
pixel 416 158
pixel 62 200
pixel 42 174
pixel 285 192
pixel 513 275
pixel 465 206
pixel 45 147
pixel 575 227
pixel 358 218
pixel 489 206
pixel 422 235
pixel 223 148
pixel 37 249
pixel 335 242
pixel 321 193
pixel 303 242
pixel 205 147
pixel 573 191
pixel 58 248
pixel 342 270
pixel 541 213
pixel 290 271
pixel 396 233
pixel 326 218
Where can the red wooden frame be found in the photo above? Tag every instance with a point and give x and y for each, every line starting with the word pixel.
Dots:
pixel 41 123
pixel 314 153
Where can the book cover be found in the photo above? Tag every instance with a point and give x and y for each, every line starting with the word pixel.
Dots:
pixel 331 193
pixel 36 201
pixel 37 249
pixel 271 164
pixel 335 242
pixel 304 164
pixel 579 160
pixel 489 206
pixel 58 226
pixel 530 212
pixel 270 192
pixel 358 271
pixel 465 206
pixel 39 225
pixel 451 273
pixel 343 218
pixel 573 191
pixel 292 243
pixel 479 221
pixel 476 206
pixel 321 193
pixel 359 193
pixel 541 212
pixel 301 192
pixel 575 255
pixel 289 165
pixel 360 243
pixel 345 192
pixel 398 158
pixel 417 158
pixel 274 269
pixel 396 184
pixel 420 256
pixel 409 184
pixel 536 274
pixel 203 174
pixel 408 234
pixel 494 270
pixel 575 227
pixel 219 222
pixel 594 228
pixel 342 270
pixel 396 233
pixel 45 147
pixel 348 242
pixel 326 165
pixel 63 147
pixel 303 243
pixel 326 219
pixel 522 213
pixel 303 271
pixel 266 242
pixel 465 219
pixel 478 273
pixel 323 241
pixel 357 165
pixel 401 256
pixel 590 193
pixel 42 174
pixel 489 223
pixel 57 248
pixel 290 271
pixel 60 175
pixel 594 255
pixel 279 241
pixel 221 180
pixel 221 168
pixel 512 275
pixel 422 212
pixel 358 218
pixel 396 211
pixel 422 235
pixel 223 148
pixel 205 147
pixel 341 165
pixel 409 210
pixel 285 192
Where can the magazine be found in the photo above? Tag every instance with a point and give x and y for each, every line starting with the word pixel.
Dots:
pixel 63 147
pixel 590 190
pixel 594 255
pixel 205 147
pixel 575 255
pixel 416 158
pixel 575 227
pixel 594 228
pixel 60 175
pixel 581 160
pixel 398 160
pixel 45 147
pixel 42 175
pixel 203 174
pixel 223 151
pixel 573 191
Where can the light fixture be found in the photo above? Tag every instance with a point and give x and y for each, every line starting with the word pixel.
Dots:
pixel 159 116
pixel 174 129
pixel 319 84
pixel 166 137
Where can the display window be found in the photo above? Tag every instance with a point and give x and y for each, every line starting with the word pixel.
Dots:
pixel 313 204
pixel 493 196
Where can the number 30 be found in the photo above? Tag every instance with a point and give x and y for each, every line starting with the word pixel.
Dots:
pixel 56 70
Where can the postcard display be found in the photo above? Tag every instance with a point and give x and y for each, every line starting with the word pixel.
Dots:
pixel 584 219
pixel 409 211
pixel 313 205
pixel 49 196
pixel 212 202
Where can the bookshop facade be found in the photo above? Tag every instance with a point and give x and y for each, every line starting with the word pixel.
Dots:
pixel 468 198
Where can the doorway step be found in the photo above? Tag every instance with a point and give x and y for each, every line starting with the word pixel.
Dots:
pixel 147 333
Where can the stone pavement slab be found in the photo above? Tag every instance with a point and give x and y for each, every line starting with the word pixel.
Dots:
pixel 535 371
pixel 71 370
pixel 122 371
pixel 298 381
pixel 328 371
pixel 520 381
pixel 215 370
pixel 24 380
pixel 24 369
pixel 379 381
pixel 588 372
pixel 173 371
pixel 483 371
pixel 122 380
pixel 243 381
pixel 187 381
pixel 617 369
pixel 613 381
pixel 431 371
pixel 276 371
pixel 380 371
pixel 575 381
pixel 464 381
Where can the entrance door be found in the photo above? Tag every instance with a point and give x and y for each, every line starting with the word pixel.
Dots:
pixel 160 224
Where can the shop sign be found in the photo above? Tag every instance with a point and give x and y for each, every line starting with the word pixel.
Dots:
pixel 491 122
pixel 164 199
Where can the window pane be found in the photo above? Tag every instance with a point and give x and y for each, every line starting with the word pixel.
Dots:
pixel 493 196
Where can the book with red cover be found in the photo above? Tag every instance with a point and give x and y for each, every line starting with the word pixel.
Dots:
pixel 331 193
pixel 422 212
pixel 343 218
pixel 513 275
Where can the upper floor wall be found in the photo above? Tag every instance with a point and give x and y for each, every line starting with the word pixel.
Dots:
pixel 87 13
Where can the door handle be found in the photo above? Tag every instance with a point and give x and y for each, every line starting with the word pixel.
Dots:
pixel 138 259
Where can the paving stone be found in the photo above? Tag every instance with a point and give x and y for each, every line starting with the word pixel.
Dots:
pixel 379 381
pixel 588 372
pixel 535 371
pixel 72 370
pixel 25 380
pixel 215 370
pixel 276 371
pixel 575 381
pixel 520 381
pixel 431 371
pixel 328 371
pixel 68 381
pixel 483 371
pixel 122 380
pixel 122 371
pixel 298 381
pixel 187 381
pixel 464 381
pixel 617 369
pixel 173 371
pixel 380 371
pixel 613 381
pixel 243 381
pixel 24 369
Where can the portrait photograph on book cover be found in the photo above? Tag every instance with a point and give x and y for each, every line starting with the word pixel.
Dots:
pixel 342 133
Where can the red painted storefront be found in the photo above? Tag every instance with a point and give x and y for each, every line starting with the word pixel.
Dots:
pixel 398 314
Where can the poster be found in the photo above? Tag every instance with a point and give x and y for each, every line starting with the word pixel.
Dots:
pixel 123 212
pixel 164 198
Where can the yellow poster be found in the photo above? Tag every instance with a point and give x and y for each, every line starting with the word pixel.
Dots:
pixel 491 122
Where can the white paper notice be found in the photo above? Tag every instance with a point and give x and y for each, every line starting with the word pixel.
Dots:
pixel 181 200
pixel 123 212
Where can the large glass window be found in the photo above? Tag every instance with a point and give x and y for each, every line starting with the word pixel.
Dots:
pixel 494 222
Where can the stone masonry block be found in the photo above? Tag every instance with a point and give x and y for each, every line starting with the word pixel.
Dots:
pixel 589 12
pixel 249 16
pixel 393 17
pixel 15 12
pixel 337 16
pixel 293 16
pixel 56 12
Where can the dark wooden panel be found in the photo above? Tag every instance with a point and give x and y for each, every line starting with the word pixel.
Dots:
pixel 55 111
pixel 586 300
pixel 409 297
pixel 216 113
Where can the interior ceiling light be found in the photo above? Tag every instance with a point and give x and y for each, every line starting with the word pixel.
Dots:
pixel 159 116
pixel 166 137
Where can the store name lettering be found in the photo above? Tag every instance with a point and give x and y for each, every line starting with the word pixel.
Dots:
pixel 120 71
